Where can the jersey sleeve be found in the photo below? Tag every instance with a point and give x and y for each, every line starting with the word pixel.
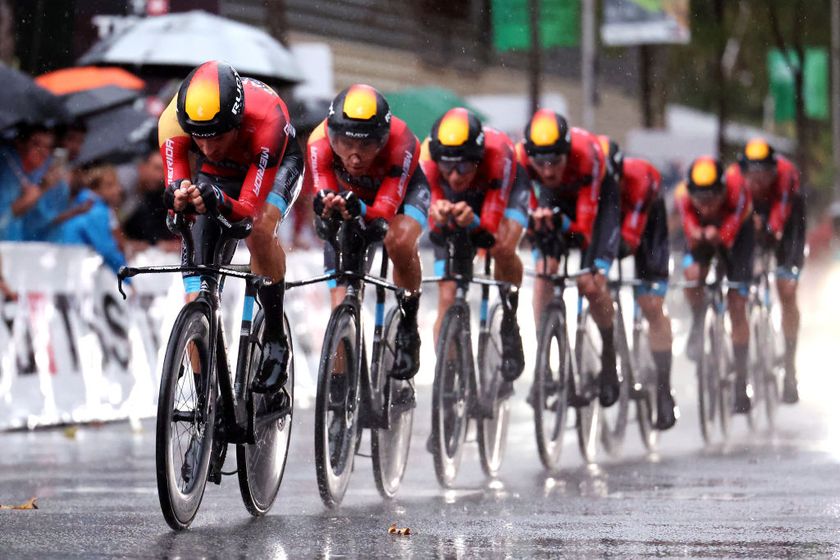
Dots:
pixel 641 184
pixel 787 186
pixel 501 173
pixel 268 146
pixel 403 153
pixel 174 145
pixel 589 166
pixel 738 209
pixel 688 217
pixel 320 175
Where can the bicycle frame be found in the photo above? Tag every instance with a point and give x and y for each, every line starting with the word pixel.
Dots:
pixel 351 247
pixel 238 419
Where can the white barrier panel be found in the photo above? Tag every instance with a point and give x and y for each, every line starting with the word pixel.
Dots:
pixel 71 350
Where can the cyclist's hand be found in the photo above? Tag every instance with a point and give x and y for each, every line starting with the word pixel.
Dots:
pixel 338 205
pixel 352 205
pixel 463 214
pixel 207 198
pixel 177 197
pixel 711 234
pixel 439 212
pixel 543 219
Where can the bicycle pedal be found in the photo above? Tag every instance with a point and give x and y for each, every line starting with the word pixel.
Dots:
pixel 579 401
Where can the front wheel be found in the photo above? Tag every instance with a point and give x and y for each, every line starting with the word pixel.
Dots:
pixel 337 405
pixel 586 383
pixel 614 418
pixel 551 386
pixel 185 417
pixel 260 465
pixel 645 385
pixel 389 447
pixel 492 432
pixel 451 394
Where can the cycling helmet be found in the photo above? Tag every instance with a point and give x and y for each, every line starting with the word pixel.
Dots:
pixel 457 136
pixel 705 177
pixel 757 155
pixel 211 100
pixel 612 153
pixel 547 134
pixel 359 112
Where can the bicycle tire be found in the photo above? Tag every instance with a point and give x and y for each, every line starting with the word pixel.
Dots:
pixel 334 454
pixel 772 367
pixel 189 342
pixel 614 419
pixel 755 364
pixel 261 465
pixel 390 448
pixel 707 380
pixel 451 394
pixel 588 365
pixel 551 386
pixel 645 378
pixel 492 432
pixel 726 385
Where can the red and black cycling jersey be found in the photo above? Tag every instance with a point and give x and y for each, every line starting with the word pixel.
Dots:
pixel 261 144
pixel 639 187
pixel 577 195
pixel 732 214
pixel 489 192
pixel 383 188
pixel 776 202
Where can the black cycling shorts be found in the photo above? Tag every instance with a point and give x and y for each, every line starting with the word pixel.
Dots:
pixel 790 253
pixel 738 261
pixel 653 254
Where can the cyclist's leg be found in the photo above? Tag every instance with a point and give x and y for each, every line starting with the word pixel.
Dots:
pixel 652 266
pixel 739 268
pixel 446 290
pixel 790 257
pixel 695 269
pixel 269 259
pixel 601 253
pixel 401 241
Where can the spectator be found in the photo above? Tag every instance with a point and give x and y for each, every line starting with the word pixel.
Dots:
pixel 7 293
pixel 43 222
pixel 145 214
pixel 24 179
pixel 96 227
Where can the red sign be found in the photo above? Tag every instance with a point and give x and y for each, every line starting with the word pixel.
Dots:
pixel 157 7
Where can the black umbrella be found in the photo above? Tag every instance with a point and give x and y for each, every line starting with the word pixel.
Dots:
pixel 93 101
pixel 117 136
pixel 23 102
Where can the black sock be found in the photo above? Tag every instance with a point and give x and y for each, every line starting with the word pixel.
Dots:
pixel 741 354
pixel 608 344
pixel 271 298
pixel 663 360
pixel 410 305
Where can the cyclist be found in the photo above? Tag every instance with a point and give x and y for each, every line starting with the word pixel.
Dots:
pixel 573 195
pixel 364 162
pixel 779 216
pixel 240 132
pixel 715 209
pixel 477 184
pixel 644 234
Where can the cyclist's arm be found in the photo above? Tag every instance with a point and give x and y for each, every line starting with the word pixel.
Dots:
pixel 174 146
pixel 403 159
pixel 288 175
pixel 780 212
pixel 642 189
pixel 320 174
pixel 739 206
pixel 502 176
pixel 691 223
pixel 585 211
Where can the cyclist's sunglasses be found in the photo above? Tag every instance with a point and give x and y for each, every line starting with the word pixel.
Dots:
pixel 463 167
pixel 547 160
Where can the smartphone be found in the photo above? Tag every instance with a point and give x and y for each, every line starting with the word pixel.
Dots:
pixel 60 157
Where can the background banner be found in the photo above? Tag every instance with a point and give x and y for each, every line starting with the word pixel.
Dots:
pixel 640 22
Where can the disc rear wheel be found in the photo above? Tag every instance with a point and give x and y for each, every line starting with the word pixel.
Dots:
pixel 492 432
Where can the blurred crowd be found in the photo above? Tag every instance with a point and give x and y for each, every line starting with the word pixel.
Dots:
pixel 117 210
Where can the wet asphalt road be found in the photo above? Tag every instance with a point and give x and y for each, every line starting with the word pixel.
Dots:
pixel 760 495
